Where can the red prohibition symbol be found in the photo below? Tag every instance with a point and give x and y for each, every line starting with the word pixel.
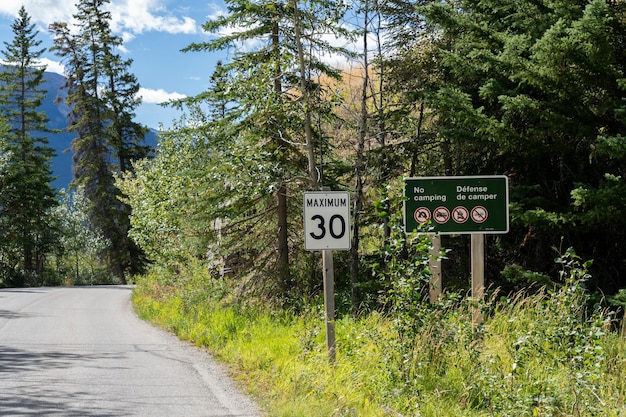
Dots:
pixel 441 215
pixel 460 214
pixel 479 214
pixel 421 215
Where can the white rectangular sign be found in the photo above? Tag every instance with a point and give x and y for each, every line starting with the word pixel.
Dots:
pixel 327 220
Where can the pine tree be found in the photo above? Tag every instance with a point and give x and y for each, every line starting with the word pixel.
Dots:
pixel 26 193
pixel 535 90
pixel 271 91
pixel 102 94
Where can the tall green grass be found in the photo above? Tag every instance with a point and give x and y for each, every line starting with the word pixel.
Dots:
pixel 543 353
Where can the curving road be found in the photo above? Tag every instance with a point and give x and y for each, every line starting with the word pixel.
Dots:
pixel 82 352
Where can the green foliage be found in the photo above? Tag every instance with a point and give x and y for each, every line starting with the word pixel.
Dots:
pixel 546 353
pixel 552 328
pixel 520 277
pixel 27 236
pixel 619 300
pixel 530 89
pixel 407 272
pixel 494 88
pixel 101 93
pixel 536 90
pixel 252 119
pixel 168 194
pixel 79 252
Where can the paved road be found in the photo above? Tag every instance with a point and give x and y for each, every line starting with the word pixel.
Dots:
pixel 81 352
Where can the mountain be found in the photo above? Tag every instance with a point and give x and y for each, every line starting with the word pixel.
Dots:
pixel 57 111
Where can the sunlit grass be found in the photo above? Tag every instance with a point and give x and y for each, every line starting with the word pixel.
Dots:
pixel 536 355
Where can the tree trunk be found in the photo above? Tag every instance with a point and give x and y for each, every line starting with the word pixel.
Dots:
pixel 359 164
pixel 281 193
pixel 283 242
pixel 306 97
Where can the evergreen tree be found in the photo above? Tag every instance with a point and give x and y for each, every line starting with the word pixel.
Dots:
pixel 535 90
pixel 102 94
pixel 78 252
pixel 271 134
pixel 26 193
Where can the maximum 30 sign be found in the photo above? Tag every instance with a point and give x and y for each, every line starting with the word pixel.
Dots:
pixel 326 220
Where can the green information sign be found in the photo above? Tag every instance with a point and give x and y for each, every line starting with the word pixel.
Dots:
pixel 452 205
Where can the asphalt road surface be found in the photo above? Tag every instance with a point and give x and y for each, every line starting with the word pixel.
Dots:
pixel 82 352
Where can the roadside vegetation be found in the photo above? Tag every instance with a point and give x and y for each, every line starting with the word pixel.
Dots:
pixel 76 236
pixel 547 351
pixel 533 91
pixel 210 224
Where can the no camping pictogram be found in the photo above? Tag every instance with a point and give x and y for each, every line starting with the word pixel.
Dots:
pixel 421 215
pixel 479 214
pixel 457 204
pixel 460 214
pixel 441 215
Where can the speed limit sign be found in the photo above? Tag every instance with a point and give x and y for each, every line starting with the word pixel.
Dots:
pixel 327 220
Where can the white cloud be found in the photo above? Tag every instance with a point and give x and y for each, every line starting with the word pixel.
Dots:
pixel 150 96
pixel 139 16
pixel 42 11
pixel 53 66
pixel 134 16
pixel 216 12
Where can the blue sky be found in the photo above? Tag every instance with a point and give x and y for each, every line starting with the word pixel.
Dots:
pixel 154 32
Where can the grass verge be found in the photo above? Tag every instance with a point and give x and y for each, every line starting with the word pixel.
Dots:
pixel 540 354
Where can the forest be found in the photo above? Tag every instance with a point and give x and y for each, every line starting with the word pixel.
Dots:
pixel 530 90
pixel 77 236
pixel 210 223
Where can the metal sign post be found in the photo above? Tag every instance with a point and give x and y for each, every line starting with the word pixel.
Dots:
pixel 327 228
pixel 329 302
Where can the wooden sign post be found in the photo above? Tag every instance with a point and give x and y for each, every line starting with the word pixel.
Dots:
pixel 478 276
pixel 474 205
pixel 434 263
